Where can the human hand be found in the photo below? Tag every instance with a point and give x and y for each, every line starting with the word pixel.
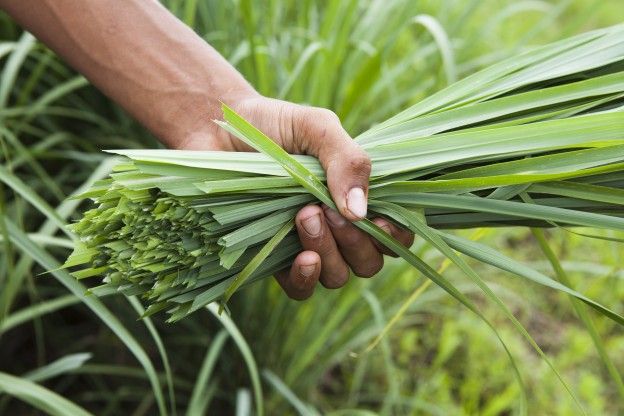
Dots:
pixel 171 81
pixel 331 243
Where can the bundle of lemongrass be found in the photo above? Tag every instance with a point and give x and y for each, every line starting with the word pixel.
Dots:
pixel 535 140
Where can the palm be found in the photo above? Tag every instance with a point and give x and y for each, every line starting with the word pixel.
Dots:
pixel 331 244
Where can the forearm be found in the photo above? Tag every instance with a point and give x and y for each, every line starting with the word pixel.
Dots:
pixel 141 56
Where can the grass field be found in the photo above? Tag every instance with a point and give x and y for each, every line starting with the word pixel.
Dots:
pixel 63 352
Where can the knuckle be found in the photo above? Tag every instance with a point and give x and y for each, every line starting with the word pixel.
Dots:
pixel 325 115
pixel 385 250
pixel 408 239
pixel 360 163
pixel 333 284
pixel 336 279
pixel 405 237
pixel 310 124
pixel 369 269
pixel 318 123
pixel 385 225
pixel 299 295
pixel 350 238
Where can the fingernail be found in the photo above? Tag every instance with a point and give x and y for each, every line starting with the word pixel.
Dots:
pixel 356 202
pixel 386 228
pixel 312 225
pixel 334 218
pixel 307 270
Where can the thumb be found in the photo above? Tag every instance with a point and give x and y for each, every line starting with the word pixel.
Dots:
pixel 318 132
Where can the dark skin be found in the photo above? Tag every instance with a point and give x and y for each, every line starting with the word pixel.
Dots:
pixel 172 82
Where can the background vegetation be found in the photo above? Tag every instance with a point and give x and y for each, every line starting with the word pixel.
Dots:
pixel 365 59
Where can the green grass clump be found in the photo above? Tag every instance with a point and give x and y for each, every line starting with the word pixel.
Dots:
pixel 54 125
pixel 534 140
pixel 151 243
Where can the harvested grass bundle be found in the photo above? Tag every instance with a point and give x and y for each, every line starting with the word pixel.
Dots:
pixel 536 140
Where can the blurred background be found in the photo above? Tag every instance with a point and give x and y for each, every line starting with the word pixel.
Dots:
pixel 366 60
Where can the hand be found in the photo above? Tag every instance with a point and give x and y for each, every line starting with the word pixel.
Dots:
pixel 332 244
pixel 171 81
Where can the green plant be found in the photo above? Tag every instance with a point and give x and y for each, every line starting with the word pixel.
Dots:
pixel 184 228
pixel 525 130
pixel 52 139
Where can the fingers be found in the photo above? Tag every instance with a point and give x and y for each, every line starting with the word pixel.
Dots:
pixel 331 246
pixel 403 236
pixel 316 236
pixel 318 132
pixel 299 281
pixel 357 247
